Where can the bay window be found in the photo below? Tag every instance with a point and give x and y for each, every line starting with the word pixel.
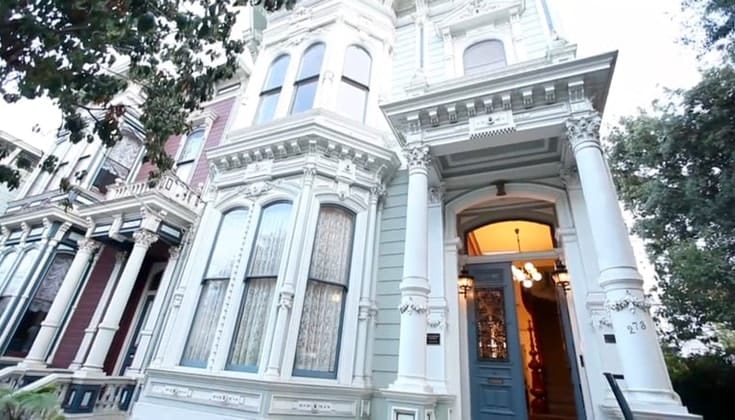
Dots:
pixel 214 285
pixel 355 83
pixel 260 284
pixel 272 90
pixel 317 348
pixel 40 303
pixel 307 80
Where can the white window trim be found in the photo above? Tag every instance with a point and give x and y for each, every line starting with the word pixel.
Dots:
pixel 205 121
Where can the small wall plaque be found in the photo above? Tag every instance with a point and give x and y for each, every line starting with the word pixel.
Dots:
pixel 433 339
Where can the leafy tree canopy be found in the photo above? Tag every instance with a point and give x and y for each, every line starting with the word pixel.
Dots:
pixel 675 170
pixel 717 19
pixel 176 51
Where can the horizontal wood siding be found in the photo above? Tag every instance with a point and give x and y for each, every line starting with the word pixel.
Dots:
pixel 403 59
pixel 532 31
pixel 88 301
pixel 390 271
pixel 171 148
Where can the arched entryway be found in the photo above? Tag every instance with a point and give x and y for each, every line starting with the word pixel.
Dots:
pixel 516 341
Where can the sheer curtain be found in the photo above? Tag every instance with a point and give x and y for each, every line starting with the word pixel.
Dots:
pixel 214 285
pixel 259 287
pixel 317 349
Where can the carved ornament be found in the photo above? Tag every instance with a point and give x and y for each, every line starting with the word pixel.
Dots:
pixel 410 307
pixel 583 129
pixel 145 238
pixel 629 302
pixel 418 156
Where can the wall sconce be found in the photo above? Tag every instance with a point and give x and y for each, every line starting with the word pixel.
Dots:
pixel 560 275
pixel 465 282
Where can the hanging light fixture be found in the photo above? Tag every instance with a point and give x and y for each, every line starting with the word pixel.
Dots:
pixel 526 274
pixel 465 282
pixel 560 274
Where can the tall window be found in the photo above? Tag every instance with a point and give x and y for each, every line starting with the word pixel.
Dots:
pixel 214 285
pixel 118 163
pixel 260 282
pixel 5 267
pixel 355 86
pixel 272 90
pixel 483 57
pixel 317 349
pixel 307 79
pixel 192 147
pixel 38 307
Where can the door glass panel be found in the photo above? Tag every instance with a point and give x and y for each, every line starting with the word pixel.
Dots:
pixel 492 340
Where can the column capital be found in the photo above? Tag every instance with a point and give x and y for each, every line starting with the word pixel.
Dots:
pixel 583 130
pixel 174 252
pixel 88 245
pixel 144 238
pixel 418 156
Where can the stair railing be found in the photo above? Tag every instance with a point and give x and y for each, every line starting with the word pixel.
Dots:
pixel 622 402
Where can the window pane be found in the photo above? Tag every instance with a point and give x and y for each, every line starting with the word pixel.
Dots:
pixel 80 169
pixel 125 152
pixel 269 243
pixel 317 348
pixel 357 65
pixel 204 325
pixel 192 146
pixel 183 170
pixel 311 62
pixel 21 272
pixel 483 57
pixel 351 101
pixel 227 243
pixel 248 339
pixel 330 259
pixel 277 73
pixel 5 267
pixel 304 97
pixel 55 182
pixel 36 312
pixel 267 107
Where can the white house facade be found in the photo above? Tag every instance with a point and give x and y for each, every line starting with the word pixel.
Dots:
pixel 399 210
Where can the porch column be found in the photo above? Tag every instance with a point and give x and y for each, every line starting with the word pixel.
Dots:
pixel 111 320
pixel 150 323
pixel 51 324
pixel 411 375
pixel 287 291
pixel 647 380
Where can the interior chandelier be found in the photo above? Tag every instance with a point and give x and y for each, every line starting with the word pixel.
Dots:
pixel 526 274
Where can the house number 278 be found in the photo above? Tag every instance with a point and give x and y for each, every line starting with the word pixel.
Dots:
pixel 635 326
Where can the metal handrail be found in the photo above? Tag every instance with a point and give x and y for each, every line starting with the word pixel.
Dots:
pixel 624 407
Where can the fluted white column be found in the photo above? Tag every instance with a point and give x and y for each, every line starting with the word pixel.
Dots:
pixel 287 291
pixel 411 375
pixel 646 377
pixel 361 376
pixel 147 331
pixel 111 320
pixel 51 324
pixel 91 329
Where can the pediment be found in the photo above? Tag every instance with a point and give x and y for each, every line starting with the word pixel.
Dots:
pixel 474 13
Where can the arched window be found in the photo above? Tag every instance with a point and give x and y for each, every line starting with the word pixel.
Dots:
pixel 483 57
pixel 120 160
pixel 272 89
pixel 317 348
pixel 40 303
pixel 260 283
pixel 307 79
pixel 355 86
pixel 192 147
pixel 510 236
pixel 214 285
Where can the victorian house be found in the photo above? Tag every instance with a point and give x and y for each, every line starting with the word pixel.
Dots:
pixel 398 210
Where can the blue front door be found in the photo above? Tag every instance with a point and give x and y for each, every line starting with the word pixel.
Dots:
pixel 497 389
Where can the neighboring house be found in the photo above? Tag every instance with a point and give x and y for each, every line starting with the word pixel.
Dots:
pixel 16 149
pixel 399 211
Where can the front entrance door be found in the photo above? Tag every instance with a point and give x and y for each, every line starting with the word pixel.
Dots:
pixel 497 389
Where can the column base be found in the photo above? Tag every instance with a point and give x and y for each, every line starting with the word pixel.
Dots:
pixel 89 372
pixel 410 385
pixel 32 364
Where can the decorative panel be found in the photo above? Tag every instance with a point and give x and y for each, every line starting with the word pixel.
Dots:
pixel 490 324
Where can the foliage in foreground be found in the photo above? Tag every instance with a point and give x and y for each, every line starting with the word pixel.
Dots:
pixel 176 52
pixel 675 170
pixel 40 404
pixel 705 382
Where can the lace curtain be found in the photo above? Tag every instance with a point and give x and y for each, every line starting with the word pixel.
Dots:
pixel 317 347
pixel 204 325
pixel 226 243
pixel 51 282
pixel 260 283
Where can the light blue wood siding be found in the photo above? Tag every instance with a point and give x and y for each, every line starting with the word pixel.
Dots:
pixel 403 58
pixel 533 31
pixel 390 269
